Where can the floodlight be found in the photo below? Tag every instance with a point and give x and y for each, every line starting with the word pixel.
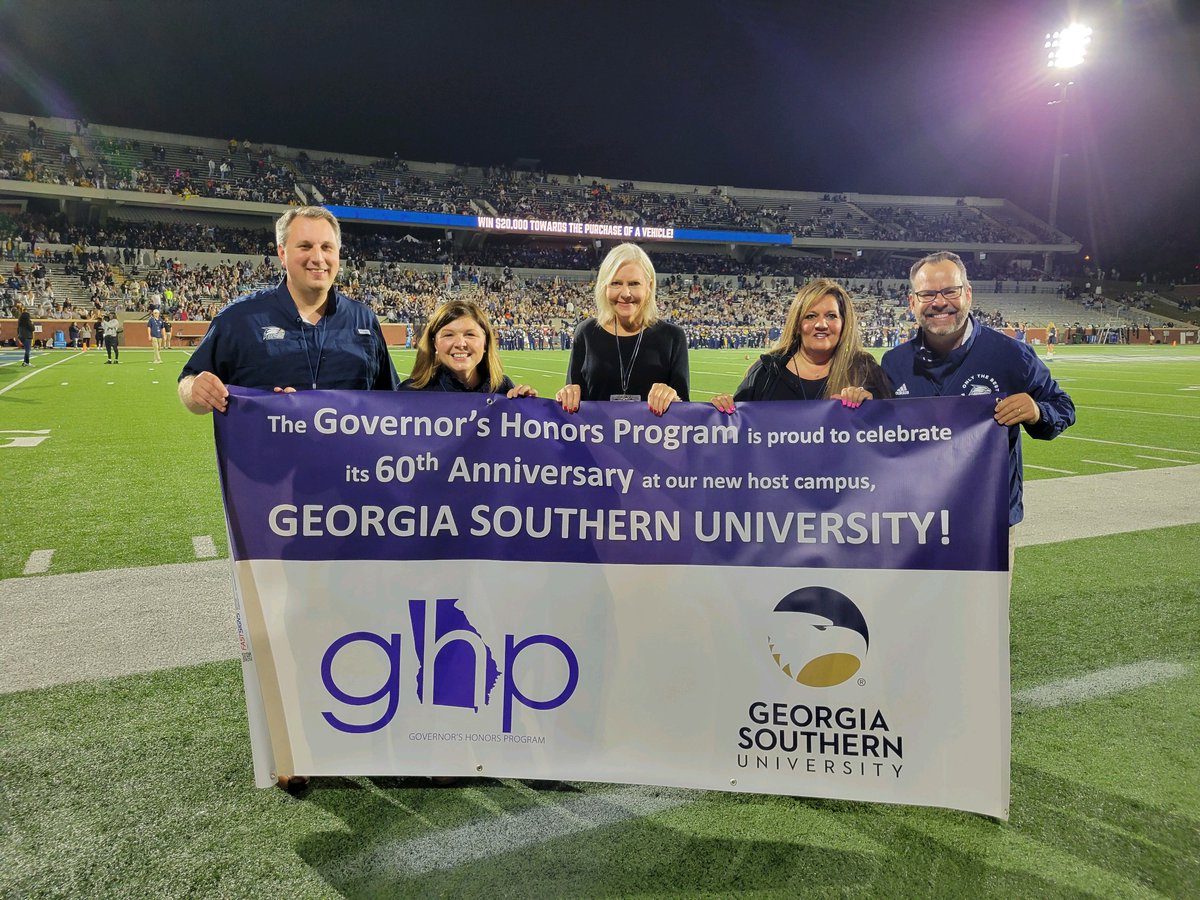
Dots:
pixel 1069 46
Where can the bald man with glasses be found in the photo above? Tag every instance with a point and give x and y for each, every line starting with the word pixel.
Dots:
pixel 953 354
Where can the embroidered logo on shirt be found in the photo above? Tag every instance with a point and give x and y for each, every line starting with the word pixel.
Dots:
pixel 366 331
pixel 273 333
pixel 902 391
pixel 980 384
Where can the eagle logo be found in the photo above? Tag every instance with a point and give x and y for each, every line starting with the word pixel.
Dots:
pixel 818 637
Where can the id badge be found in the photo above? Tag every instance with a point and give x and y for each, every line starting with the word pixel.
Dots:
pixel 626 398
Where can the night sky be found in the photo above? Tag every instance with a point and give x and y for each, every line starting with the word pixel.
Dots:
pixel 938 97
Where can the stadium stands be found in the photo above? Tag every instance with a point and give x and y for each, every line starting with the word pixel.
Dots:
pixel 194 258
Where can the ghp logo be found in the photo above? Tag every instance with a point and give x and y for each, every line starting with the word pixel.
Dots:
pixel 454 667
pixel 818 636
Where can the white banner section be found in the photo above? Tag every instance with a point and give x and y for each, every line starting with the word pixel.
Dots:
pixel 879 685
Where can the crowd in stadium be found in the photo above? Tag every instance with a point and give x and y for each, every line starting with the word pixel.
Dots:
pixel 138 271
pixel 529 312
pixel 133 266
pixel 255 173
pixel 387 245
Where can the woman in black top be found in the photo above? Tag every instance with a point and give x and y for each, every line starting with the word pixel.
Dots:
pixel 24 331
pixel 457 353
pixel 626 352
pixel 818 357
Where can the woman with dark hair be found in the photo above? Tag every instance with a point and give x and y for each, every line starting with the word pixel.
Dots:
pixel 819 356
pixel 626 352
pixel 457 353
pixel 24 331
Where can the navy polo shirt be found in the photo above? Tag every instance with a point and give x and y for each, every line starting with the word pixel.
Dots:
pixel 260 341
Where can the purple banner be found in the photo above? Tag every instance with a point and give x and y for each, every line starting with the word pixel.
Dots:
pixel 323 475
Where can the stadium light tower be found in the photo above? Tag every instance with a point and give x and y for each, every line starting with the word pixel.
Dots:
pixel 1066 50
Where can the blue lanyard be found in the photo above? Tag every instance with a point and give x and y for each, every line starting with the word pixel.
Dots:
pixel 319 341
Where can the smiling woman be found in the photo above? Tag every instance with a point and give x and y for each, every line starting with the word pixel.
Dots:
pixel 818 357
pixel 626 352
pixel 457 352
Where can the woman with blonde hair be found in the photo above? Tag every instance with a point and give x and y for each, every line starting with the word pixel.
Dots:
pixel 626 352
pixel 457 353
pixel 819 356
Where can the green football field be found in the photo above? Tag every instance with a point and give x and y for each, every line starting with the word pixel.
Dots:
pixel 141 785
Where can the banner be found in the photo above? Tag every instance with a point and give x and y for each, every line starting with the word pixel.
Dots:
pixel 799 598
pixel 609 230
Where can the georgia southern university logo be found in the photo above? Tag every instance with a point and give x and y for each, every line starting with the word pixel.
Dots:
pixel 818 639
pixel 455 668
pixel 818 636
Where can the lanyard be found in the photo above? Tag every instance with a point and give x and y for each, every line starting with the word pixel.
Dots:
pixel 319 340
pixel 626 375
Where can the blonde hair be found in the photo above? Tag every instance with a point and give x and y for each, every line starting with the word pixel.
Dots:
pixel 425 369
pixel 848 352
pixel 617 257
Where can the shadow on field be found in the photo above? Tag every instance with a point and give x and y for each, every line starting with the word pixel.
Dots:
pixel 392 847
pixel 1146 844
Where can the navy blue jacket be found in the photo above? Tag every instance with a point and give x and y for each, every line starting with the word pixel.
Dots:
pixel 260 341
pixel 988 363
pixel 444 380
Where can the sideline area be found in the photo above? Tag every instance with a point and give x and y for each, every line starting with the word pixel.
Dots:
pixel 126 621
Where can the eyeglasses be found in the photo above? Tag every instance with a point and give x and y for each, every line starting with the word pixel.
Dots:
pixel 951 293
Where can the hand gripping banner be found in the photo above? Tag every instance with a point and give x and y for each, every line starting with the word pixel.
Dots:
pixel 798 598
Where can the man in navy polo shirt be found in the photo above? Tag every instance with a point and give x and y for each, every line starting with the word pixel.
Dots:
pixel 954 354
pixel 300 335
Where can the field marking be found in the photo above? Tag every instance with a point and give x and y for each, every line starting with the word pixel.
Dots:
pixel 1075 437
pixel 515 368
pixel 1140 412
pixel 1049 469
pixel 36 369
pixel 740 372
pixel 1103 683
pixel 1158 381
pixel 477 841
pixel 1123 359
pixel 204 547
pixel 1182 462
pixel 38 562
pixel 554 818
pixel 1131 393
pixel 1096 462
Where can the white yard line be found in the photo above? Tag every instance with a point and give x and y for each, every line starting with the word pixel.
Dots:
pixel 1075 437
pixel 38 562
pixel 1182 462
pixel 1049 469
pixel 1097 462
pixel 1101 684
pixel 1092 390
pixel 562 373
pixel 204 547
pixel 34 370
pixel 572 814
pixel 1140 412
pixel 559 815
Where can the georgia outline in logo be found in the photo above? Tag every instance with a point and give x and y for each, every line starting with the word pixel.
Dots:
pixel 818 637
